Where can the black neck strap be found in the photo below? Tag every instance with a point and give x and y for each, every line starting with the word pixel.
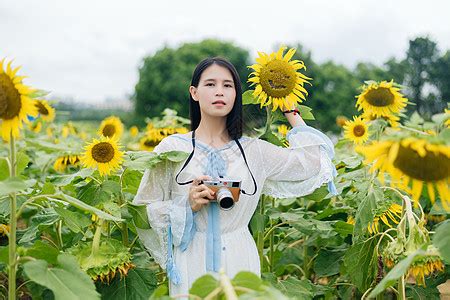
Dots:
pixel 192 154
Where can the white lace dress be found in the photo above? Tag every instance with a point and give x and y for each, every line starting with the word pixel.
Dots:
pixel 212 238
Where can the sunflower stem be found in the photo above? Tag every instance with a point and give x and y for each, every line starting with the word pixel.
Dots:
pixel 124 228
pixel 401 288
pixel 272 240
pixel 13 224
pixel 260 236
pixel 97 236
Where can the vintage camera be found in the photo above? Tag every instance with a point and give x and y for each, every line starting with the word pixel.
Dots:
pixel 226 191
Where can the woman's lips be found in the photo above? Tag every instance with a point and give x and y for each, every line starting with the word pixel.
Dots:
pixel 218 103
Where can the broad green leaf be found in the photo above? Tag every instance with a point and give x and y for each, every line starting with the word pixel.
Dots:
pixel 76 221
pixel 247 280
pixel 62 180
pixel 41 250
pixel 248 98
pixel 203 286
pixel 131 180
pixel 174 156
pixel 22 162
pixel 4 168
pixel 361 263
pixel 85 207
pixel 441 240
pixel 397 271
pixel 270 137
pixel 138 284
pixel 139 213
pixel 366 211
pixel 66 280
pixel 300 289
pixel 4 254
pixel 14 185
pixel 343 228
pixel 328 262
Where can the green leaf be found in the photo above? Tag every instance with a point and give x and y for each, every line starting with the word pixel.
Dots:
pixel 138 284
pixel 328 262
pixel 4 168
pixel 41 250
pixel 203 286
pixel 366 210
pixel 22 162
pixel 247 98
pixel 397 271
pixel 76 221
pixel 174 156
pixel 269 136
pixel 85 207
pixel 300 289
pixel 14 185
pixel 4 254
pixel 441 240
pixel 139 213
pixel 248 280
pixel 343 228
pixel 361 263
pixel 305 112
pixel 63 180
pixel 66 280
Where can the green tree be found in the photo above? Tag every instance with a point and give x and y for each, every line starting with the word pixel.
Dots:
pixel 164 77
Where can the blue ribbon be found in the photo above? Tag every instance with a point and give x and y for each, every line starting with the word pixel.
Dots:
pixel 215 167
pixel 172 271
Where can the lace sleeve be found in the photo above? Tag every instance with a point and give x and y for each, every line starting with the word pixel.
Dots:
pixel 164 209
pixel 300 169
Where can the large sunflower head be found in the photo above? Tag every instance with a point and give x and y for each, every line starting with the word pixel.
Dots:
pixel 111 127
pixel 356 130
pixel 381 99
pixel 46 112
pixel 15 101
pixel 412 162
pixel 103 154
pixel 277 79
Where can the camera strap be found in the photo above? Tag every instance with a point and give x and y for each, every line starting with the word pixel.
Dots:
pixel 192 154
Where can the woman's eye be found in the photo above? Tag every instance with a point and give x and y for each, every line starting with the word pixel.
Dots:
pixel 209 84
pixel 228 85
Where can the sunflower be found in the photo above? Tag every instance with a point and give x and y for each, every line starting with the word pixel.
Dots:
pixel 46 112
pixel 414 160
pixel 283 130
pixel 36 127
pixel 356 130
pixel 393 213
pixel 148 142
pixel 111 127
pixel 392 119
pixel 381 99
pixel 4 229
pixel 103 154
pixel 277 80
pixel 15 102
pixel 134 131
pixel 340 121
pixel 419 270
pixel 63 162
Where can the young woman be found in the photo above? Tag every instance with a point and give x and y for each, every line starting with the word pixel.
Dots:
pixel 191 235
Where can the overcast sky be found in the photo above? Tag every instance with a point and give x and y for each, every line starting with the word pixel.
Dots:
pixel 91 50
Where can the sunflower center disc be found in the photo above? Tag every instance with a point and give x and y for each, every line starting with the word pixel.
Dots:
pixel 109 130
pixel 380 97
pixel 41 108
pixel 359 130
pixel 432 167
pixel 10 102
pixel 150 143
pixel 103 152
pixel 278 79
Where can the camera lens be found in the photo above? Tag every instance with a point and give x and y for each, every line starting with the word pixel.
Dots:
pixel 225 198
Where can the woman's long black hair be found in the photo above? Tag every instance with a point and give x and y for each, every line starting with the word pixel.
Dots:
pixel 234 118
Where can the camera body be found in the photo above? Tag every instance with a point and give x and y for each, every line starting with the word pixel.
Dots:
pixel 226 191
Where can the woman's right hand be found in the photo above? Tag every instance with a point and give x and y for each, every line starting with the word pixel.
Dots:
pixel 200 194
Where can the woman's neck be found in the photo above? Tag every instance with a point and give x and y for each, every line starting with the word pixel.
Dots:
pixel 213 131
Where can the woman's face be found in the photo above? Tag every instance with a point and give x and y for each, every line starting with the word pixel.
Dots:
pixel 216 92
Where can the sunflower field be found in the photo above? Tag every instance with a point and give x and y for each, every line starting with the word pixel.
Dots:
pixel 68 227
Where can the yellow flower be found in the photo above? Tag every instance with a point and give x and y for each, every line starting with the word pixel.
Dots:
pixel 447 122
pixel 4 229
pixel 49 131
pixel 277 80
pixel 419 270
pixel 393 213
pixel 103 154
pixel 391 119
pixel 351 220
pixel 111 127
pixel 134 131
pixel 36 127
pixel 340 121
pixel 357 130
pixel 63 162
pixel 46 112
pixel 414 160
pixel 283 130
pixel 148 143
pixel 15 102
pixel 381 99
